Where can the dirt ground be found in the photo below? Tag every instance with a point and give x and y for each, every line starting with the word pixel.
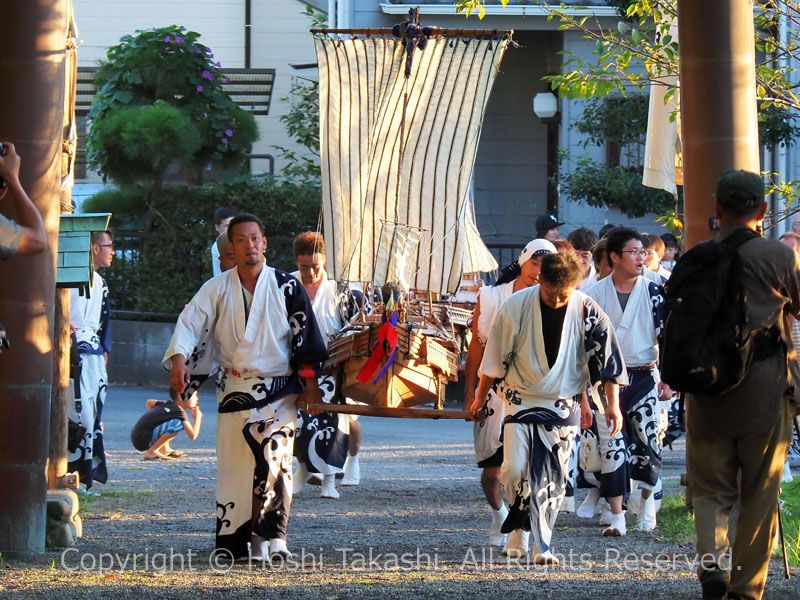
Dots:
pixel 416 527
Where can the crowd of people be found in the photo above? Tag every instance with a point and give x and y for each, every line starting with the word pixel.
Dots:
pixel 564 354
pixel 570 337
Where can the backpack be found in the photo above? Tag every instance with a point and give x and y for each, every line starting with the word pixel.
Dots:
pixel 704 349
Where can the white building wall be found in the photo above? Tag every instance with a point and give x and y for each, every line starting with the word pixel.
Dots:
pixel 279 38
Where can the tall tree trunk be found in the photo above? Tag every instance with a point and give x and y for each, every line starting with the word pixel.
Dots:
pixel 32 72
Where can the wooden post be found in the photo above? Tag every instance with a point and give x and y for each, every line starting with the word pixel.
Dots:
pixel 718 102
pixel 33 49
pixel 59 407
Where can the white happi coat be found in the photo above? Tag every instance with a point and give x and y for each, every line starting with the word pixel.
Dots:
pixel 260 347
pixel 516 339
pixel 491 299
pixel 589 279
pixel 325 306
pixel 85 315
pixel 634 327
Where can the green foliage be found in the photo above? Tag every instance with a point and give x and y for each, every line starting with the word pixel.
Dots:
pixel 126 204
pixel 142 140
pixel 790 506
pixel 302 124
pixel 622 121
pixel 619 187
pixel 170 65
pixel 619 120
pixel 776 126
pixel 162 270
pixel 672 220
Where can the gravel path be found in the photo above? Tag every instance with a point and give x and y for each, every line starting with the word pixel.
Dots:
pixel 414 528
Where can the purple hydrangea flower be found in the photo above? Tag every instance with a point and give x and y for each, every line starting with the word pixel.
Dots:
pixel 229 133
pixel 179 40
pixel 224 140
pixel 199 88
pixel 197 50
pixel 208 75
pixel 218 64
pixel 167 40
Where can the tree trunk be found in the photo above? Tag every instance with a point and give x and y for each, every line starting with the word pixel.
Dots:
pixel 32 73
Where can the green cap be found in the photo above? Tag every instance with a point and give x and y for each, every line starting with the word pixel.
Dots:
pixel 740 189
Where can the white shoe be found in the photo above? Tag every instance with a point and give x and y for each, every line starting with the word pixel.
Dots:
pixel 647 520
pixel 546 558
pixel 496 538
pixel 568 505
pixel 606 515
pixel 617 526
pixel 299 478
pixel 588 508
pixel 329 487
pixel 517 544
pixel 787 473
pixel 278 550
pixel 352 472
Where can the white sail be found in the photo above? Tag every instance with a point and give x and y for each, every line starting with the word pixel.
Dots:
pixel 401 149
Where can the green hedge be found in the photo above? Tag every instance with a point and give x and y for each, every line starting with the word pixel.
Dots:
pixel 160 270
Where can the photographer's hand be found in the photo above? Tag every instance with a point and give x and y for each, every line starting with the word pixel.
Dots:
pixel 33 240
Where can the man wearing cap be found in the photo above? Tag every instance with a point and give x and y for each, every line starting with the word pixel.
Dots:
pixel 746 431
pixel 547 227
pixel 488 447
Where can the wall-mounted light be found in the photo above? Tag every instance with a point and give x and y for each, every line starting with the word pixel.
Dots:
pixel 545 105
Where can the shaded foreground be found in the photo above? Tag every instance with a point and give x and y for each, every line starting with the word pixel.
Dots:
pixel 414 528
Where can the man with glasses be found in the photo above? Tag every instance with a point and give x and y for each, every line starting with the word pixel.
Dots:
pixel 89 319
pixel 634 306
pixel 258 325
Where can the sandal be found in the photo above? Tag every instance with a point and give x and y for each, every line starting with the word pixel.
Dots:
pixel 176 454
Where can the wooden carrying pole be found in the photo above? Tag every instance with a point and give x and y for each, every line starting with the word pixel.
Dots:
pixel 386 411
pixel 718 102
pixel 434 31
pixel 32 53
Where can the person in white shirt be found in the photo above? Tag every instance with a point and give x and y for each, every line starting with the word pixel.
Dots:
pixel 258 325
pixel 222 217
pixel 323 445
pixel 654 246
pixel 634 305
pixel 584 240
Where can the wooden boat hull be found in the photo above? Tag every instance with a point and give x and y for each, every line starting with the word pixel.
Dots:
pixel 407 383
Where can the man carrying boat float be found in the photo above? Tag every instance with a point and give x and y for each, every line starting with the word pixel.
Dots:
pixel 258 325
pixel 542 341
pixel 487 432
pixel 323 440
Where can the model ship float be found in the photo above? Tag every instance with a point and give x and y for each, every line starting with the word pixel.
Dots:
pixel 401 111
